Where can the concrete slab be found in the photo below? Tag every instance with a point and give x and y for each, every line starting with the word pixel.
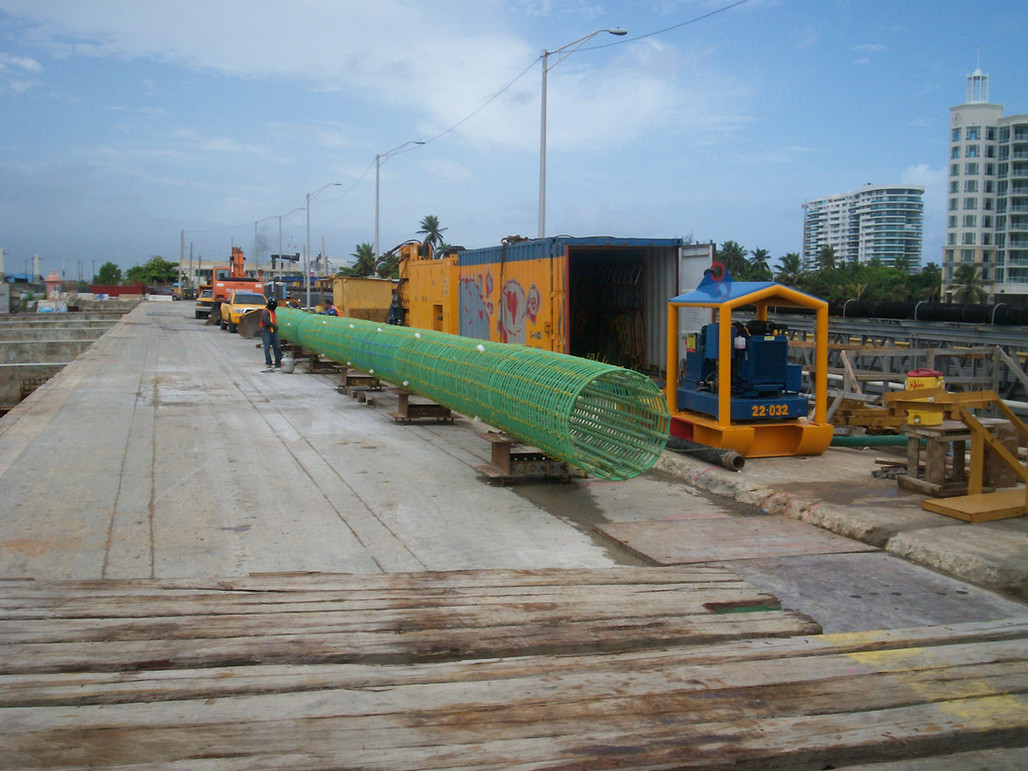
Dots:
pixel 684 541
pixel 872 590
pixel 165 451
pixel 837 492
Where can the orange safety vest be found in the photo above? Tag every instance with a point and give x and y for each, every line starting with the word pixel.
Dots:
pixel 273 324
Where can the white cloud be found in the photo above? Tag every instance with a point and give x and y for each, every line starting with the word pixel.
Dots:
pixel 932 180
pixel 16 73
pixel 445 60
pixel 21 64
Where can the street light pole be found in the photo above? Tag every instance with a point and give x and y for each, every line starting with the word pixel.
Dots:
pixel 563 52
pixel 280 218
pixel 307 255
pixel 378 164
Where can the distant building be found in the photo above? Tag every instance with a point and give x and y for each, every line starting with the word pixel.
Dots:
pixel 876 222
pixel 987 217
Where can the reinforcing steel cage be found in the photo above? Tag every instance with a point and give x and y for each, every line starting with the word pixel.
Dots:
pixel 608 421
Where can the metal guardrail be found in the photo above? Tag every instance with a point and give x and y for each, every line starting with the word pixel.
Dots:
pixel 881 351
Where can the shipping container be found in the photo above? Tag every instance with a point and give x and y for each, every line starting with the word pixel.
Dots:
pixel 363 298
pixel 597 297
pixel 430 293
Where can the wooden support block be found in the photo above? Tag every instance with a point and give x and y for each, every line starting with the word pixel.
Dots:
pixel 507 463
pixel 318 364
pixel 408 411
pixel 937 458
pixel 996 472
pixel 354 378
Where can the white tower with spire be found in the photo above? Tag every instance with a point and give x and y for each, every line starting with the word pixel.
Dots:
pixel 987 197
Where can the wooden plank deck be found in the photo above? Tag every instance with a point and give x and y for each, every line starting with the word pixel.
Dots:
pixel 582 669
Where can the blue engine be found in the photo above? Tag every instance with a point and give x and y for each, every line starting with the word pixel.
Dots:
pixel 764 385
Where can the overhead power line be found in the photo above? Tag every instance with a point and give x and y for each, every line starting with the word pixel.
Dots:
pixel 621 42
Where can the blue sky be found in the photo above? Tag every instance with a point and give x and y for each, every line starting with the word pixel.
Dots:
pixel 125 122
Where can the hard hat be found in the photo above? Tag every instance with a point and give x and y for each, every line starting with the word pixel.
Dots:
pixel 272 302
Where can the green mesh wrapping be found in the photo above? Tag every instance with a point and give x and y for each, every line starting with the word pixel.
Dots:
pixel 608 421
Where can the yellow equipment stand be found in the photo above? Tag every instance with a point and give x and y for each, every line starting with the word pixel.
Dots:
pixel 752 439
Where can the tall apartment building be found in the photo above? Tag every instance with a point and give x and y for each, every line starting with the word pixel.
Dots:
pixel 987 217
pixel 880 222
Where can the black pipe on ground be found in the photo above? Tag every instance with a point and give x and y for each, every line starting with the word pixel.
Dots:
pixel 730 459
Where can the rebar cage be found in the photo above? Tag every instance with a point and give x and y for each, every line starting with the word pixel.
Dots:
pixel 608 421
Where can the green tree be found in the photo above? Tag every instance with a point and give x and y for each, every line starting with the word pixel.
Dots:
pixel 759 269
pixel 967 282
pixel 927 285
pixel 790 269
pixel 431 231
pixel 108 275
pixel 389 266
pixel 365 263
pixel 827 259
pixel 828 283
pixel 156 271
pixel 733 257
pixel 885 283
pixel 855 291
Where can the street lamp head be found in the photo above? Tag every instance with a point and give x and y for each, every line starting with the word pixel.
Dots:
pixel 618 31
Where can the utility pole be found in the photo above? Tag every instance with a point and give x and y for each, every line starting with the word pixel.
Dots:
pixel 181 256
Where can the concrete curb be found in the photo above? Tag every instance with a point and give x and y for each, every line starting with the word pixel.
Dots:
pixel 990 555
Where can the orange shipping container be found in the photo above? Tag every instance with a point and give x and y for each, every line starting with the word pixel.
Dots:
pixel 600 298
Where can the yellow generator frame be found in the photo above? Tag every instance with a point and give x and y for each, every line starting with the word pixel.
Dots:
pixel 752 439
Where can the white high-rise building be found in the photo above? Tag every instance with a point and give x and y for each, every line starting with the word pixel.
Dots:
pixel 987 217
pixel 876 222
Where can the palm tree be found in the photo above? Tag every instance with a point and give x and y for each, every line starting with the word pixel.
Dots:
pixel 431 231
pixel 967 282
pixel 759 270
pixel 365 263
pixel 826 258
pixel 854 291
pixel 733 257
pixel 929 283
pixel 389 266
pixel 790 268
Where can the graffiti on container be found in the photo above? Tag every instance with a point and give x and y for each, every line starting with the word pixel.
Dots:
pixel 516 308
pixel 475 309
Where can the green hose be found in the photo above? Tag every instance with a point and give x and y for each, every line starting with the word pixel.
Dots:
pixel 608 421
pixel 877 440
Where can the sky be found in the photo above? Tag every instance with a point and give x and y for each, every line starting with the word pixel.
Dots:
pixel 136 128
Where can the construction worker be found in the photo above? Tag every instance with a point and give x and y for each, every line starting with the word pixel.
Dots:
pixel 269 333
pixel 330 310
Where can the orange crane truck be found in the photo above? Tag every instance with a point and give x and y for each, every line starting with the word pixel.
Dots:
pixel 236 281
